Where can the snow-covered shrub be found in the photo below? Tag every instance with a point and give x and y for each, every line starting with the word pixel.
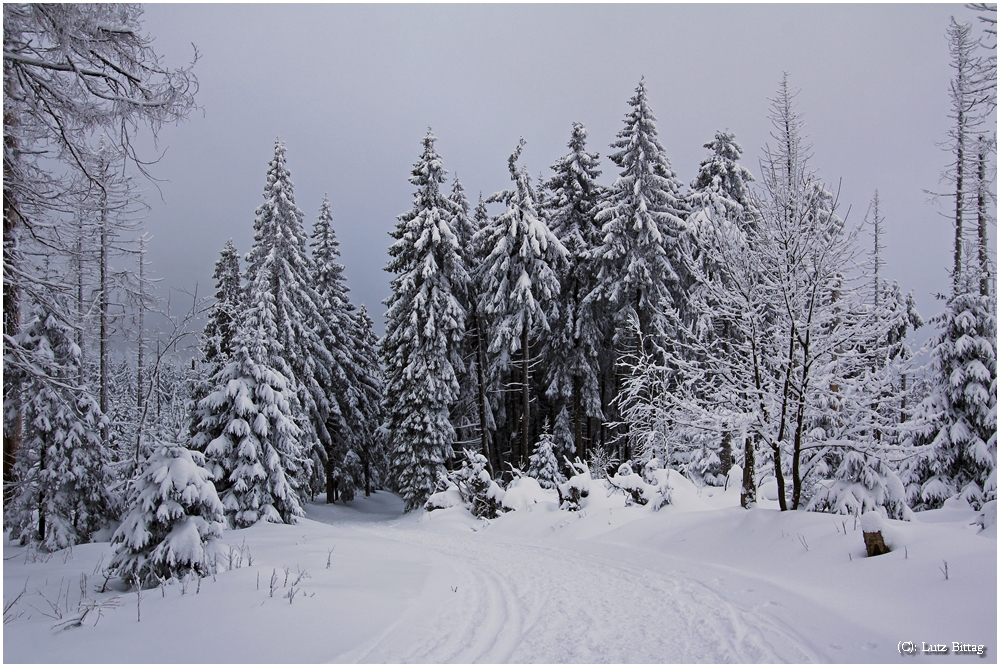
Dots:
pixel 658 479
pixel 862 483
pixel 446 495
pixel 576 488
pixel 543 465
pixel 174 519
pixel 478 491
pixel 523 492
pixel 631 484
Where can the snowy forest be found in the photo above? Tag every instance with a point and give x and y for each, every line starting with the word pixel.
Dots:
pixel 609 328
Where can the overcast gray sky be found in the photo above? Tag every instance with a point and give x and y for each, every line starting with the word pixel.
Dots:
pixel 351 89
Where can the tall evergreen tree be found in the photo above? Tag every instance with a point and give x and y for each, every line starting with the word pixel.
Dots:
pixel 61 475
pixel 642 223
pixel 279 279
pixel 720 195
pixel 478 325
pixel 218 338
pixel 353 389
pixel 425 325
pixel 574 345
pixel 521 288
pixel 255 455
pixel 957 420
pixel 336 314
pixel 370 442
pixel 220 329
pixel 465 413
pixel 721 190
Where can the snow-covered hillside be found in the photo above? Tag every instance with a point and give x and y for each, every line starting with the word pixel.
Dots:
pixel 701 580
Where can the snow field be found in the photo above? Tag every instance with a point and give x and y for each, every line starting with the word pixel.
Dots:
pixel 698 581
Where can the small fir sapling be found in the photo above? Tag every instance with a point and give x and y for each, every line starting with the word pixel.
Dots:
pixel 542 464
pixel 174 520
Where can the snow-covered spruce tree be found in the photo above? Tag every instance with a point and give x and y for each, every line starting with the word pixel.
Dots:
pixel 370 442
pixel 60 489
pixel 254 454
pixel 720 194
pixel 543 464
pixel 465 412
pixel 478 326
pixel 642 223
pixel 425 325
pixel 958 419
pixel 722 186
pixel 174 518
pixel 520 287
pixel 279 278
pixel 220 329
pixel 344 421
pixel 571 352
pixel 218 337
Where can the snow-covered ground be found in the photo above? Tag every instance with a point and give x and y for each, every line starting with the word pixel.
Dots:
pixel 699 581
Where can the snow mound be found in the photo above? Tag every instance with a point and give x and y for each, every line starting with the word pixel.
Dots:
pixel 871 522
pixel 524 492
pixel 987 520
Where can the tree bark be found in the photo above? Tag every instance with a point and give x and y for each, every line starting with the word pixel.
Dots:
pixel 982 214
pixel 525 398
pixel 331 484
pixel 103 308
pixel 779 477
pixel 748 494
pixel 726 453
pixel 11 294
pixel 959 192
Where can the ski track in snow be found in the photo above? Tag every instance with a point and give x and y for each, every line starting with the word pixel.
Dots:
pixel 507 602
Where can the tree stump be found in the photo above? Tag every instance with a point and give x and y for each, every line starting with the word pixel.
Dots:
pixel 875 544
pixel 871 527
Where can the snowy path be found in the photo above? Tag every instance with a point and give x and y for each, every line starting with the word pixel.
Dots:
pixel 492 601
